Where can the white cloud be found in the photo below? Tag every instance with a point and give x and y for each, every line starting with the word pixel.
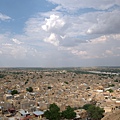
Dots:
pixel 4 37
pixel 33 27
pixel 0 52
pixel 116 36
pixel 16 41
pixel 54 22
pixel 65 28
pixel 4 17
pixel 76 4
pixel 53 26
pixel 52 39
pixel 106 23
pixel 11 49
pixel 18 52
pixel 109 52
pixel 101 47
pixel 15 51
pixel 6 44
pixel 65 32
pixel 101 39
pixel 79 53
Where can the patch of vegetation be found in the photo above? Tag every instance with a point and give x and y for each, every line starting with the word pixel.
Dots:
pixel 41 76
pixel 68 113
pixel 48 75
pixel 26 81
pixel 2 75
pixel 14 92
pixel 66 82
pixel 88 88
pixel 82 72
pixel 110 90
pixel 53 113
pixel 17 73
pixel 86 106
pixel 113 97
pixel 116 80
pixel 30 89
pixel 49 87
pixel 95 113
pixel 111 85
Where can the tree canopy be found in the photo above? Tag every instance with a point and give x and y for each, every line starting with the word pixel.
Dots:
pixel 86 106
pixel 110 90
pixel 2 75
pixel 53 113
pixel 30 89
pixel 95 113
pixel 14 92
pixel 69 113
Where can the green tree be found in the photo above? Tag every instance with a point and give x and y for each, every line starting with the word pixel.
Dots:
pixel 111 85
pixel 69 113
pixel 66 82
pixel 30 89
pixel 53 113
pixel 49 87
pixel 95 113
pixel 86 106
pixel 116 80
pixel 110 90
pixel 14 92
pixel 2 76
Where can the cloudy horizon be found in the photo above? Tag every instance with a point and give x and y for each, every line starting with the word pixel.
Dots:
pixel 59 33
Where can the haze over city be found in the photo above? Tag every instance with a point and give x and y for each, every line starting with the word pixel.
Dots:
pixel 59 33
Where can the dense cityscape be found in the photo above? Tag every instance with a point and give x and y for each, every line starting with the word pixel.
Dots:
pixel 27 93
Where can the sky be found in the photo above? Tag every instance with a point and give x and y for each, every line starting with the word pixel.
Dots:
pixel 59 33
